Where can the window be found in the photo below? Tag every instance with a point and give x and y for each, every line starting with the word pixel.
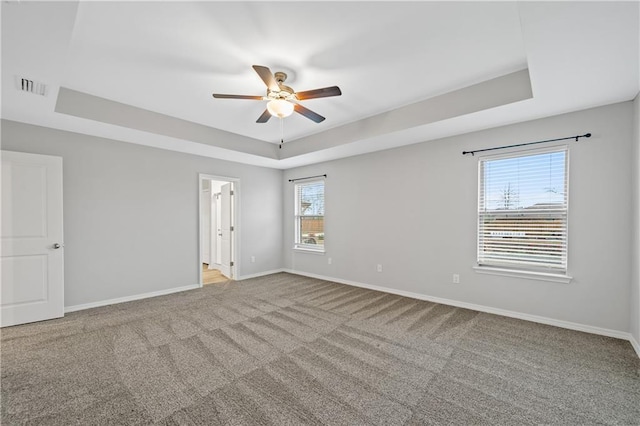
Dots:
pixel 522 211
pixel 310 215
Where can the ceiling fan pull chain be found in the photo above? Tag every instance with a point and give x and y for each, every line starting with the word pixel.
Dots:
pixel 281 132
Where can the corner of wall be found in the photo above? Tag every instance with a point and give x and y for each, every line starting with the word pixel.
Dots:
pixel 634 326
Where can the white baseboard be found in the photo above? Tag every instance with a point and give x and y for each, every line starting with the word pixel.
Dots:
pixel 635 344
pixel 511 314
pixel 75 308
pixel 259 274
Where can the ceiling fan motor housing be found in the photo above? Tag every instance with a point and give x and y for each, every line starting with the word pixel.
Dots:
pixel 280 77
pixel 285 92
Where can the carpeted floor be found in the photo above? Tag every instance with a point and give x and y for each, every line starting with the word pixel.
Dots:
pixel 285 349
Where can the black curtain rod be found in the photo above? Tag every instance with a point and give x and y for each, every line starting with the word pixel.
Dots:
pixel 586 135
pixel 308 177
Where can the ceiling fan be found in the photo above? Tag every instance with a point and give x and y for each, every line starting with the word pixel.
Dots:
pixel 283 99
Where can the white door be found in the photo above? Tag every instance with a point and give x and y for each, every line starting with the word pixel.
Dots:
pixel 32 259
pixel 213 235
pixel 218 232
pixel 226 229
pixel 205 214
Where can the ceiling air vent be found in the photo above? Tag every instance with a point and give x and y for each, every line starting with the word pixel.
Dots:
pixel 31 86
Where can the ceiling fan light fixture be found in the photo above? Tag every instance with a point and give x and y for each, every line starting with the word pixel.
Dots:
pixel 280 108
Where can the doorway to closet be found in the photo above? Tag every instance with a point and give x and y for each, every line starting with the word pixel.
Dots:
pixel 218 228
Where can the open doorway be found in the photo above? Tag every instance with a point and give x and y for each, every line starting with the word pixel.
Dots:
pixel 218 229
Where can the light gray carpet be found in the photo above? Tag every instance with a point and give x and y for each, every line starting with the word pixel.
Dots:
pixel 285 349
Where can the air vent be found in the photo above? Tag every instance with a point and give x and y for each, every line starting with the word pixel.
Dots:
pixel 32 86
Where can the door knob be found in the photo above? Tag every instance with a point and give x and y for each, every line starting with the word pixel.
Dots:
pixel 56 246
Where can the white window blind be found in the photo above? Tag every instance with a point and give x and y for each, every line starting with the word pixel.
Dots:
pixel 309 211
pixel 522 211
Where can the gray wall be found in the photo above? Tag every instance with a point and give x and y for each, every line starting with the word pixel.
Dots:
pixel 413 209
pixel 131 218
pixel 635 252
pixel 131 213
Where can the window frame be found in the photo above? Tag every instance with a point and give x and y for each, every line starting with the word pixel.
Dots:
pixel 297 243
pixel 516 269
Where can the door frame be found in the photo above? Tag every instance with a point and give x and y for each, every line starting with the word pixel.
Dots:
pixel 235 217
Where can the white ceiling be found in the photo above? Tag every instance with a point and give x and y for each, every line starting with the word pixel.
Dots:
pixel 388 58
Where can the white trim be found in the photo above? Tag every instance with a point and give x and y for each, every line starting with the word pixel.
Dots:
pixel 260 274
pixel 533 275
pixel 635 344
pixel 84 306
pixel 308 250
pixel 515 152
pixel 490 310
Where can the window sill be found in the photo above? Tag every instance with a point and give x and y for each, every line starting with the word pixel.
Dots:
pixel 309 250
pixel 541 276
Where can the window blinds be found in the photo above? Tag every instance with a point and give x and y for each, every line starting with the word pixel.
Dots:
pixel 522 211
pixel 310 215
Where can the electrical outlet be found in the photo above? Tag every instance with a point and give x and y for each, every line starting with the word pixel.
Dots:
pixel 329 261
pixel 253 259
pixel 379 268
pixel 456 278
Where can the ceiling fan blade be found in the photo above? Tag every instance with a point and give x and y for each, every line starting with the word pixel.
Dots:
pixel 221 96
pixel 308 113
pixel 325 92
pixel 266 115
pixel 267 76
